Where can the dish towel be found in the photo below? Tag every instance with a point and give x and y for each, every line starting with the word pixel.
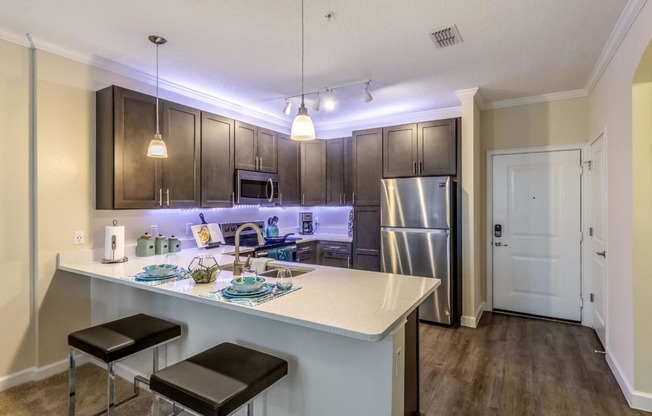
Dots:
pixel 281 254
pixel 259 264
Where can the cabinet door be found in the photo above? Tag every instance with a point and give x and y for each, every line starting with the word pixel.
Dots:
pixel 437 148
pixel 366 238
pixel 335 172
pixel 400 151
pixel 288 171
pixel 348 170
pixel 313 173
pixel 246 138
pixel 367 166
pixel 267 150
pixel 181 133
pixel 217 152
pixel 137 178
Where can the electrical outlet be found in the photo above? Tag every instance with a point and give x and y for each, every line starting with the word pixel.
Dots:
pixel 153 230
pixel 188 229
pixel 79 237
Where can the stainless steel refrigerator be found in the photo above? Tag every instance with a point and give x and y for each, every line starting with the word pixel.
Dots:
pixel 417 221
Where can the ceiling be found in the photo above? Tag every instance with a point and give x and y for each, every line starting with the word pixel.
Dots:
pixel 249 52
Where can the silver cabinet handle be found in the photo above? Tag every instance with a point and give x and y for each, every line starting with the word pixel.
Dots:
pixel 420 168
pixel 233 197
pixel 257 164
pixel 602 253
pixel 167 197
pixel 499 244
pixel 340 199
pixel 260 163
pixel 303 199
pixel 160 197
pixel 348 262
pixel 353 199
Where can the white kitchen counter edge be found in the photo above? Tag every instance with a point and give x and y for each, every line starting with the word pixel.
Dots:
pixel 374 337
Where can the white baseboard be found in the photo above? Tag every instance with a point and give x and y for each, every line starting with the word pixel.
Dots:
pixel 36 373
pixel 636 399
pixel 473 321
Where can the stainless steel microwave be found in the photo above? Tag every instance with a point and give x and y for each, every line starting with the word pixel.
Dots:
pixel 256 188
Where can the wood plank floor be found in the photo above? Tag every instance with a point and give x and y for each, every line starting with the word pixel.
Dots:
pixel 512 365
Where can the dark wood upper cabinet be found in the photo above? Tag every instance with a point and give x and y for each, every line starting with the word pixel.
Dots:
pixel 367 167
pixel 348 171
pixel 288 171
pixel 366 238
pixel 313 173
pixel 335 172
pixel 423 149
pixel 128 179
pixel 217 152
pixel 256 148
pixel 181 133
pixel 438 148
pixel 400 151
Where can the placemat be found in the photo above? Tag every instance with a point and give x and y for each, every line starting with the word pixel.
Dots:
pixel 251 302
pixel 185 274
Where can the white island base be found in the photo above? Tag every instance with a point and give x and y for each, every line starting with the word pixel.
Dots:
pixel 328 374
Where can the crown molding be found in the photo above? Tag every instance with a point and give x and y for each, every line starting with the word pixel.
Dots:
pixel 625 22
pixel 536 99
pixel 135 74
pixel 344 129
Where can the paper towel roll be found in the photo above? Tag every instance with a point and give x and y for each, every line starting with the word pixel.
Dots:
pixel 109 232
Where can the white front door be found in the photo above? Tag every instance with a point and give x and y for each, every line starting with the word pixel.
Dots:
pixel 598 234
pixel 536 233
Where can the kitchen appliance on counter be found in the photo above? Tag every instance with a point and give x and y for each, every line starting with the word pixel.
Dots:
pixel 256 188
pixel 306 222
pixel 417 238
pixel 286 250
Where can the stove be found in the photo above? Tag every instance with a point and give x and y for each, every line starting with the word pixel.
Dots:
pixel 249 238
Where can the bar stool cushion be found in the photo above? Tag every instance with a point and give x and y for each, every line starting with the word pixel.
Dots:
pixel 118 339
pixel 219 380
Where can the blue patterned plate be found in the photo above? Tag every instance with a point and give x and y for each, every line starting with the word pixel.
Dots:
pixel 230 292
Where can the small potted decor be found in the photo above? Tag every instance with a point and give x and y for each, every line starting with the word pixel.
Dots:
pixel 204 269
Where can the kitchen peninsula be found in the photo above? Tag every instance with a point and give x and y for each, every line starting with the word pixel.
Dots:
pixel 343 333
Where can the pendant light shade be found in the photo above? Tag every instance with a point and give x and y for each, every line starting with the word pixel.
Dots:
pixel 303 129
pixel 157 148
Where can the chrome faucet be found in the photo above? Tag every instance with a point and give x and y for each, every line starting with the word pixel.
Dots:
pixel 237 264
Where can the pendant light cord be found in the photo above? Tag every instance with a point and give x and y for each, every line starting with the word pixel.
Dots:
pixel 157 127
pixel 302 53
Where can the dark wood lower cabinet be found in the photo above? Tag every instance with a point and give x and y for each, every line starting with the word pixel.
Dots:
pixel 366 238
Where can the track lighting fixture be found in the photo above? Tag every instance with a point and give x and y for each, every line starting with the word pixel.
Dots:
pixel 365 93
pixel 288 107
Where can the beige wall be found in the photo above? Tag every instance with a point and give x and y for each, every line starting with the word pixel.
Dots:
pixel 611 110
pixel 642 231
pixel 17 338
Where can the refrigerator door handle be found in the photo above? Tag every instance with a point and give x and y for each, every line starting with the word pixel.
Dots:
pixel 417 230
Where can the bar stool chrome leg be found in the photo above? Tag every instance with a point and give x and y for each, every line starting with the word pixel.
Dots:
pixel 72 380
pixel 250 408
pixel 109 409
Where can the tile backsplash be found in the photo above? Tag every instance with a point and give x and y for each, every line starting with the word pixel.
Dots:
pixel 331 220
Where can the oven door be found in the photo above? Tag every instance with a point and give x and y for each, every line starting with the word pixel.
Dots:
pixel 256 188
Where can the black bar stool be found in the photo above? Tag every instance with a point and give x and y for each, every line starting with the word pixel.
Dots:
pixel 218 381
pixel 115 340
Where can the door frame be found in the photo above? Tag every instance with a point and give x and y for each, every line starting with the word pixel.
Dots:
pixel 586 283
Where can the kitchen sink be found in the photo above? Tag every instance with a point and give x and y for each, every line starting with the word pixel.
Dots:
pixel 271 269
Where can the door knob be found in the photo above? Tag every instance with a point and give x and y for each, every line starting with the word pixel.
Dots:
pixel 601 253
pixel 499 244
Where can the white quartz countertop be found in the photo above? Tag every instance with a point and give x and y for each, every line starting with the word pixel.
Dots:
pixel 353 303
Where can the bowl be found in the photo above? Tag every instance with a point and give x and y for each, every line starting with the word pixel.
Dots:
pixel 159 269
pixel 247 284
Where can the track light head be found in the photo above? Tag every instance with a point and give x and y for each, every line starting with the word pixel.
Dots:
pixel 365 93
pixel 288 107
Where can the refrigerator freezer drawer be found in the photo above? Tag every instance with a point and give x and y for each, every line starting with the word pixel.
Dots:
pixel 424 253
pixel 416 202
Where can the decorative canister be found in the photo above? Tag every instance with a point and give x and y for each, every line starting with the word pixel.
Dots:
pixel 145 246
pixel 161 245
pixel 174 244
pixel 204 269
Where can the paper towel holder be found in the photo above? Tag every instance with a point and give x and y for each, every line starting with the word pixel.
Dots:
pixel 113 260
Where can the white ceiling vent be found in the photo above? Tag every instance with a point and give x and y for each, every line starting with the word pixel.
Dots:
pixel 445 36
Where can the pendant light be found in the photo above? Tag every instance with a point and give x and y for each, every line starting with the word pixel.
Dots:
pixel 157 148
pixel 302 128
